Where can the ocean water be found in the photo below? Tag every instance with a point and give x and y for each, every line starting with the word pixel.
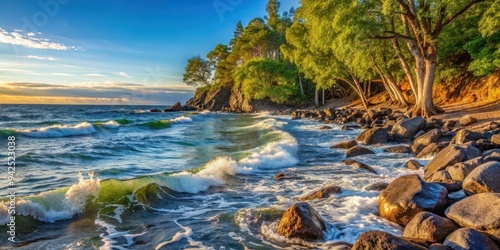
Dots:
pixel 119 177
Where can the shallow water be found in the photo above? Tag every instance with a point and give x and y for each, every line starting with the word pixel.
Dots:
pixel 116 177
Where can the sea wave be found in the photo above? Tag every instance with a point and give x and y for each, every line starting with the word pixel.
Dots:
pixel 54 205
pixel 182 119
pixel 55 131
pixel 160 124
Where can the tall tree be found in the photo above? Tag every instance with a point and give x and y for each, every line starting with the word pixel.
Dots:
pixel 273 17
pixel 198 72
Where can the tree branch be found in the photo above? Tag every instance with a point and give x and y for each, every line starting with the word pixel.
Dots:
pixel 439 28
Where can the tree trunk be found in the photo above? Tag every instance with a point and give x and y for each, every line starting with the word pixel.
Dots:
pixel 323 99
pixel 316 98
pixel 425 105
pixel 300 83
pixel 396 90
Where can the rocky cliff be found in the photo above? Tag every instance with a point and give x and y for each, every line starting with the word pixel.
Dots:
pixel 227 99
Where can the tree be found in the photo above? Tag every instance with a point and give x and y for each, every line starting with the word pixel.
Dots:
pixel 198 72
pixel 218 60
pixel 273 17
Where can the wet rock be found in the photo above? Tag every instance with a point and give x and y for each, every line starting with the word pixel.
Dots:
pixel 429 227
pixel 345 145
pixel 413 165
pixel 373 136
pixel 479 212
pixel 408 195
pixel 379 186
pixel 155 111
pixel 325 128
pixel 406 129
pixel 450 185
pixel 467 120
pixel 469 239
pixel 358 150
pixel 461 170
pixel 358 165
pixel 492 152
pixel 175 108
pixel 428 138
pixel 377 240
pixel 431 150
pixel 398 150
pixel 447 157
pixel 301 221
pixel 483 179
pixel 321 193
pixel 464 136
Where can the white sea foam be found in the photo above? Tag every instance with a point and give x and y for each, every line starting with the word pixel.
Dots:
pixel 112 233
pixel 55 205
pixel 277 154
pixel 110 124
pixel 186 234
pixel 54 131
pixel 182 119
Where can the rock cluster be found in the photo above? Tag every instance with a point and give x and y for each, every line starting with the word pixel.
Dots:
pixel 454 205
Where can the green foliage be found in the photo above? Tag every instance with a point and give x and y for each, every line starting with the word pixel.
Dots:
pixel 198 72
pixel 262 79
pixel 485 52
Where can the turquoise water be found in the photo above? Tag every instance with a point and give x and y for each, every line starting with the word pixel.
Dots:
pixel 118 177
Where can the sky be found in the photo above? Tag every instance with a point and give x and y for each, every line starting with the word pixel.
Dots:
pixel 111 52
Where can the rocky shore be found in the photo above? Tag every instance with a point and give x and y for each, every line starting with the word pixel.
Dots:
pixel 454 205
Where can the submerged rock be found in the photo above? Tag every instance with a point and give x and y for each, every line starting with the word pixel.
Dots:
pixel 413 165
pixel 359 165
pixel 321 193
pixel 398 150
pixel 466 238
pixel 301 221
pixel 480 212
pixel 358 150
pixel 379 186
pixel 345 145
pixel 429 227
pixel 378 240
pixel 408 195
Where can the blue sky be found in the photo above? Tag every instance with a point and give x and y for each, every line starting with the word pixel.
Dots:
pixel 86 51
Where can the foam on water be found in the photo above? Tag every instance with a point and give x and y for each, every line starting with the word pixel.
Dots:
pixel 55 205
pixel 55 131
pixel 110 124
pixel 181 119
pixel 186 234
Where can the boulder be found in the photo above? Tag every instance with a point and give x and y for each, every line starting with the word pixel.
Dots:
pixel 379 186
pixel 467 120
pixel 358 150
pixel 398 150
pixel 479 212
pixel 377 240
pixel 431 150
pixel 461 170
pixel 464 136
pixel 496 139
pixel 428 138
pixel 329 112
pixel 439 246
pixel 325 128
pixel 429 227
pixel 175 108
pixel 345 145
pixel 413 165
pixel 469 239
pixel 408 195
pixel 447 157
pixel 358 165
pixel 483 179
pixel 405 129
pixel 324 192
pixel 375 136
pixel 301 221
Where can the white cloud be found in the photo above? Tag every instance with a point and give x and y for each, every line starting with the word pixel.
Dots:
pixel 40 58
pixel 122 74
pixel 30 41
pixel 94 75
pixel 62 74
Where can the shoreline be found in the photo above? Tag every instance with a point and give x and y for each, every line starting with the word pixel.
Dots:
pixel 470 136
